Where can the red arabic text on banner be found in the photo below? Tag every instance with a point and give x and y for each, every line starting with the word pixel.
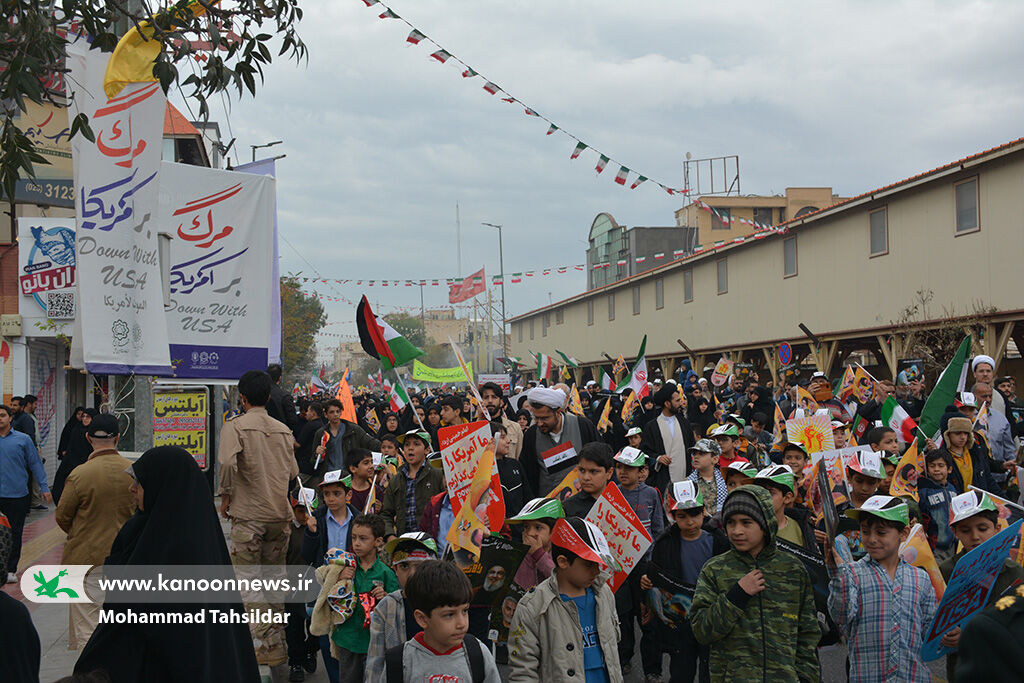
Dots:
pixel 470 286
pixel 627 538
pixel 462 447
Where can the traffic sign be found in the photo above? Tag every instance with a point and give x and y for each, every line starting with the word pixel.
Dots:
pixel 785 353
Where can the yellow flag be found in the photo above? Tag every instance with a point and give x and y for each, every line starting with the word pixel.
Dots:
pixel 575 405
pixel 605 423
pixel 910 468
pixel 372 420
pixel 468 531
pixel 806 401
pixel 627 407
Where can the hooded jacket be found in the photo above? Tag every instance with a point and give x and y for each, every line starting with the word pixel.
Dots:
pixel 769 636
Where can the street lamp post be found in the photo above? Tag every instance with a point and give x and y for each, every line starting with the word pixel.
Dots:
pixel 501 265
pixel 269 144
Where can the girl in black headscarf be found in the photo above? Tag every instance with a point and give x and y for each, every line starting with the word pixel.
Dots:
pixel 700 415
pixel 391 425
pixel 69 427
pixel 76 452
pixel 176 524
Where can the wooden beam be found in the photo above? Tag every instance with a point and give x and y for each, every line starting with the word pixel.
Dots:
pixel 890 360
pixel 771 362
pixel 1000 349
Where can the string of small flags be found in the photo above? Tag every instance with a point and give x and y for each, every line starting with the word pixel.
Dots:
pixel 445 56
pixel 514 278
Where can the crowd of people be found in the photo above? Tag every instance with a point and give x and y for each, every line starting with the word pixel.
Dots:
pixel 358 492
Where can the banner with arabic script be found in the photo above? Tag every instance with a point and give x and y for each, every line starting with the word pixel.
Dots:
pixel 120 297
pixel 222 234
pixel 46 275
pixel 181 418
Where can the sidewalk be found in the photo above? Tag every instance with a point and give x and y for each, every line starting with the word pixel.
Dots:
pixel 43 543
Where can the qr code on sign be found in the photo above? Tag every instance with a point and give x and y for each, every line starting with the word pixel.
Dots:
pixel 60 305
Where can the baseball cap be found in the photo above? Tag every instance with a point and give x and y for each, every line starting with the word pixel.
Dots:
pixel 683 495
pixel 744 467
pixel 706 446
pixel 819 375
pixel 539 508
pixel 585 539
pixel 634 431
pixel 868 463
pixel 334 477
pixel 413 545
pixel 886 507
pixel 726 430
pixel 103 426
pixel 632 457
pixel 422 436
pixel 778 474
pixel 969 504
pixel 837 424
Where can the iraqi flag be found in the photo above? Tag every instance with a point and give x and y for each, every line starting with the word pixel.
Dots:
pixel 638 381
pixel 380 340
pixel 897 419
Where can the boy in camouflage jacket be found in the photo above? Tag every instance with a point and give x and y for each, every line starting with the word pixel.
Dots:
pixel 753 605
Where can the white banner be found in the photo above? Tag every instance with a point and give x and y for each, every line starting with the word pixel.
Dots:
pixel 46 276
pixel 222 235
pixel 120 298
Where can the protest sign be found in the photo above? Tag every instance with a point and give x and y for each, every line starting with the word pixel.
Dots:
pixel 425 373
pixel 469 527
pixel 722 371
pixel 909 469
pixel 916 551
pixel 502 611
pixel 502 380
pixel 815 566
pixel 490 576
pixel 627 538
pixel 222 223
pixel 463 448
pixel 669 600
pixel 120 327
pixel 909 370
pixel 968 589
pixel 813 431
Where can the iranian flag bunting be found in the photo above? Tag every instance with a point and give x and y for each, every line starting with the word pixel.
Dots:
pixel 380 340
pixel 897 419
pixel 530 112
pixel 620 177
pixel 468 73
pixel 579 150
pixel 660 255
pixel 517 277
pixel 601 163
pixel 388 14
pixel 638 381
pixel 638 182
pixel 569 360
pixel 371 3
pixel 947 385
pixel 551 129
pixel 491 88
pixel 415 37
pixel 441 56
pixel 544 366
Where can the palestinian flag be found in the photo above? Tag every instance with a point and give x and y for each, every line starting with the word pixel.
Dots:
pixel 638 182
pixel 415 37
pixel 947 385
pixel 601 163
pixel 638 382
pixel 620 177
pixel 398 397
pixel 569 360
pixel 380 340
pixel 896 418
pixel 579 150
pixel 544 366
pixel 551 129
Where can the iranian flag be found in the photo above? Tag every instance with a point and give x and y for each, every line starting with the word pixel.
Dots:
pixel 896 418
pixel 620 177
pixel 638 182
pixel 601 163
pixel 952 380
pixel 551 129
pixel 387 14
pixel 568 360
pixel 638 381
pixel 660 255
pixel 415 37
pixel 579 150
pixel 606 381
pixel 517 277
pixel 491 88
pixel 441 56
pixel 380 340
pixel 544 366
pixel 398 397
pixel 469 73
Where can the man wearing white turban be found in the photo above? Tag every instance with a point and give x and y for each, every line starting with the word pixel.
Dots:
pixel 551 445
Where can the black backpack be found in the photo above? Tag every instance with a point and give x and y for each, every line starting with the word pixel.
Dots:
pixel 396 668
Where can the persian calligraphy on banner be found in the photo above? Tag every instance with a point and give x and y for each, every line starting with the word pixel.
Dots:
pixel 46 274
pixel 462 447
pixel 222 229
pixel 467 288
pixel 425 373
pixel 502 380
pixel 181 418
pixel 120 298
pixel 626 535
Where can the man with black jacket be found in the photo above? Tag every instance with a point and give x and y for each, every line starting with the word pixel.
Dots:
pixel 667 439
pixel 342 437
pixel 280 406
pixel 546 458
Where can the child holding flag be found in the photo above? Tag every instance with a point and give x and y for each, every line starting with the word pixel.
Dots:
pixel 538 518
pixel 936 495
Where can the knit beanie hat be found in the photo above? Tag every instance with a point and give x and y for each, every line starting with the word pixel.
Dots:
pixel 744 503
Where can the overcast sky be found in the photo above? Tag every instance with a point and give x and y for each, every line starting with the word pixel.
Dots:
pixel 382 141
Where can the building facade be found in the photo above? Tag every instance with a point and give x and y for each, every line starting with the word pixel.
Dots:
pixel 615 252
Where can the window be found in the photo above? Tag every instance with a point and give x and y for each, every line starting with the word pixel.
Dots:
pixel 659 293
pixel 687 285
pixel 590 312
pixel 789 257
pixel 531 329
pixel 545 323
pixel 611 307
pixel 636 301
pixel 723 276
pixel 520 326
pixel 763 215
pixel 879 232
pixel 559 316
pixel 967 206
pixel 720 219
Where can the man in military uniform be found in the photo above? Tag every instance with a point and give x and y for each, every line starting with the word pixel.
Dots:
pixel 990 648
pixel 256 470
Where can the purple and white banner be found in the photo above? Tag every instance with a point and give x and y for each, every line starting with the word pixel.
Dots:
pixel 221 225
pixel 123 328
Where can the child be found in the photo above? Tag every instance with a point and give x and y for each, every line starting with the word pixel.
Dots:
pixel 839 438
pixel 330 525
pixel 864 473
pixel 970 465
pixel 883 439
pixel 438 595
pixel 975 520
pixel 596 467
pixel 794 456
pixel 302 646
pixel 728 437
pixel 403 504
pixel 392 623
pixel 936 493
pixel 707 476
pixel 372 580
pixel 773 637
pixel 646 503
pixel 738 473
pixel 793 525
pixel 679 553
pixel 634 436
pixel 889 464
pixel 510 474
pixel 567 627
pixel 874 598
pixel 389 446
pixel 359 463
pixel 538 518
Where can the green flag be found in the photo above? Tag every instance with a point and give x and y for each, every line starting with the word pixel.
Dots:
pixel 949 382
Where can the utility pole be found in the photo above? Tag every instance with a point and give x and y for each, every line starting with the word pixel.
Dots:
pixel 423 318
pixel 458 239
pixel 501 265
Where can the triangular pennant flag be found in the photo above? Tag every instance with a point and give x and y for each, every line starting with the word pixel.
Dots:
pixel 601 163
pixel 415 37
pixel 579 150
pixel 620 177
pixel 551 129
pixel 388 14
pixel 441 56
pixel 638 182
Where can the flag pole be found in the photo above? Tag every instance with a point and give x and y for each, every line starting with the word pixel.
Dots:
pixel 415 414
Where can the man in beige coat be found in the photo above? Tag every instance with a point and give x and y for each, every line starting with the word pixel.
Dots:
pixel 95 504
pixel 257 467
